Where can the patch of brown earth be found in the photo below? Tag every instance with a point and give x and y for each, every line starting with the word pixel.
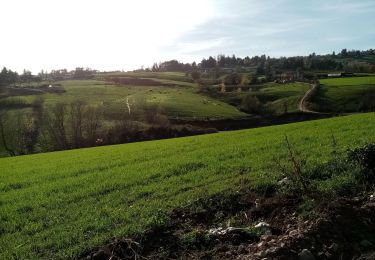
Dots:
pixel 246 226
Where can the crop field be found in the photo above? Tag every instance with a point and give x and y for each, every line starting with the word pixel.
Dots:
pixel 343 94
pixel 62 204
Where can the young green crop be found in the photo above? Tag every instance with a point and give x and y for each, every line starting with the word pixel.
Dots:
pixel 62 204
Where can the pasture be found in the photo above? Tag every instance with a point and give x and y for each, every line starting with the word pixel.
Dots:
pixel 181 101
pixel 275 97
pixel 175 76
pixel 60 205
pixel 343 94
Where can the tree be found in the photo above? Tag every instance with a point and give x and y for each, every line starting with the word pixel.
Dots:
pixel 7 77
pixel 233 79
pixel 17 133
pixel 92 122
pixel 195 75
pixel 3 136
pixel 344 52
pixel 26 77
pixel 36 123
pixel 76 122
pixel 155 67
pixel 54 126
pixel 251 104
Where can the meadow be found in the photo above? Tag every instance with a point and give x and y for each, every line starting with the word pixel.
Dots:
pixel 343 94
pixel 274 96
pixel 277 95
pixel 181 101
pixel 175 76
pixel 63 204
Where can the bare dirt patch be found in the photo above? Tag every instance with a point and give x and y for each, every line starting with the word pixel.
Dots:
pixel 249 226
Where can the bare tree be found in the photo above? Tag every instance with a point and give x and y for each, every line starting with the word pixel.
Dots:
pixel 92 122
pixel 3 137
pixel 155 116
pixel 76 122
pixel 54 133
pixel 17 134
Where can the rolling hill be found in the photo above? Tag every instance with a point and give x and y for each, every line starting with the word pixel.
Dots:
pixel 63 204
pixel 344 94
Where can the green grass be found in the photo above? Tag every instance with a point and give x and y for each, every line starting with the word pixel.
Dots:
pixel 278 94
pixel 62 204
pixel 176 76
pixel 182 101
pixel 343 94
pixel 272 95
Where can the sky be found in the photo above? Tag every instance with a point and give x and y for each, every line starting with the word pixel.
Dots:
pixel 127 34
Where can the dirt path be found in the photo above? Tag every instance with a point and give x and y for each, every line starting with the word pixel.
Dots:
pixel 302 104
pixel 128 104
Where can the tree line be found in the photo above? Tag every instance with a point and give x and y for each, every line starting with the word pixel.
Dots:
pixel 12 78
pixel 351 61
pixel 346 60
pixel 9 77
pixel 64 126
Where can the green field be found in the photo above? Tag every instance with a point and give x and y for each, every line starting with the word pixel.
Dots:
pixel 278 94
pixel 182 101
pixel 343 94
pixel 62 204
pixel 175 76
pixel 272 95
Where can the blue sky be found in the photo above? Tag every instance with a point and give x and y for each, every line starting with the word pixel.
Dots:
pixel 283 28
pixel 126 34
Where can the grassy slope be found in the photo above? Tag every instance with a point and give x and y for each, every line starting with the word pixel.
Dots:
pixel 273 95
pixel 278 94
pixel 181 101
pixel 343 94
pixel 58 205
pixel 176 76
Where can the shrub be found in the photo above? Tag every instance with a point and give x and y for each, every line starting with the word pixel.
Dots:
pixel 365 157
pixel 196 239
pixel 251 104
pixel 294 169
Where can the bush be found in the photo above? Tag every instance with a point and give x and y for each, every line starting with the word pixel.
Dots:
pixel 251 104
pixel 294 170
pixel 233 79
pixel 365 157
pixel 196 239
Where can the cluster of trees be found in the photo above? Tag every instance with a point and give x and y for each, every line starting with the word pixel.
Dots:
pixel 352 61
pixel 72 125
pixel 59 127
pixel 64 74
pixel 9 77
pixel 173 65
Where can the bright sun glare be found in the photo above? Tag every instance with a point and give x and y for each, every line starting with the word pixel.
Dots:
pixel 105 35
